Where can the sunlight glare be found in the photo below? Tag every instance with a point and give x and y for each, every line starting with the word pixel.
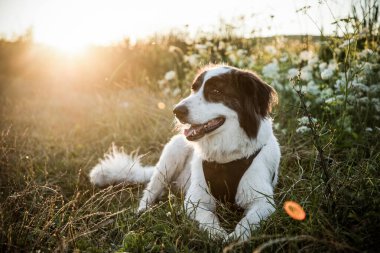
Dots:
pixel 69 45
pixel 71 26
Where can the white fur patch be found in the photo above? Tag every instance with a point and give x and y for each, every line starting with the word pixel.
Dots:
pixel 215 72
pixel 116 167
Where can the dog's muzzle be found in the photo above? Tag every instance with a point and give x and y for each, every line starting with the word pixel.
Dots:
pixel 181 112
pixel 196 131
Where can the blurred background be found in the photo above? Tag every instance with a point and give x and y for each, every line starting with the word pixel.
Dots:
pixel 86 41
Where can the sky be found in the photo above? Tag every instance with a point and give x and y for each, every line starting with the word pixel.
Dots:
pixel 80 22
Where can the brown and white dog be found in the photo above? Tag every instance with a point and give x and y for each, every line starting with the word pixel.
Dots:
pixel 226 151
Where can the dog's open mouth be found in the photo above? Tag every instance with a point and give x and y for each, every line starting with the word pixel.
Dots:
pixel 197 131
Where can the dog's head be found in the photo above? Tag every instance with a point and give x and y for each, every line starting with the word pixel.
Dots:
pixel 223 98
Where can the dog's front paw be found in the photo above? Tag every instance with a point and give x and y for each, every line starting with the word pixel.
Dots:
pixel 144 205
pixel 231 238
pixel 141 209
pixel 238 235
pixel 217 233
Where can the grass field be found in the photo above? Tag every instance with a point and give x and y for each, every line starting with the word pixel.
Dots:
pixel 53 132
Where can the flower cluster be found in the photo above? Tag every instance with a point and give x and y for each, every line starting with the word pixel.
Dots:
pixel 338 89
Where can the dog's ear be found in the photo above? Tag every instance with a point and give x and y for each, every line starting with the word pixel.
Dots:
pixel 256 101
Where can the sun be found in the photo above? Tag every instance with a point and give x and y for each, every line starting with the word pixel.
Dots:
pixel 72 26
pixel 65 43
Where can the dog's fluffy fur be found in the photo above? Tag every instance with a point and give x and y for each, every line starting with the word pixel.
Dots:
pixel 236 104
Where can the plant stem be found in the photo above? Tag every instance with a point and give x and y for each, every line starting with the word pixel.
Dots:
pixel 323 163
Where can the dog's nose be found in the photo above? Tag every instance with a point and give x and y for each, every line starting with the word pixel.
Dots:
pixel 181 112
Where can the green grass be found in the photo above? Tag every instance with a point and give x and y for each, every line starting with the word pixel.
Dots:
pixel 50 141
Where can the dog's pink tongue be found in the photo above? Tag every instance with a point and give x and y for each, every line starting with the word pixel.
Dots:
pixel 193 131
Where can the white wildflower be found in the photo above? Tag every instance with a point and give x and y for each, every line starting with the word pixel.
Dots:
pixel 221 45
pixel 340 84
pixel 363 100
pixel 336 99
pixel 374 88
pixel 305 120
pixel 251 62
pixel 271 70
pixel 312 88
pixel 284 57
pixel 376 104
pixel 201 48
pixel 241 52
pixel 193 59
pixel 327 74
pixel 347 42
pixel 270 49
pixel 232 58
pixel 367 67
pixel 306 55
pixel 293 72
pixel 302 129
pixel 209 44
pixel 306 73
pixel 333 65
pixel 303 89
pixel 351 98
pixel 360 86
pixel 176 92
pixel 313 60
pixel 326 93
pixel 375 101
pixel 170 75
pixel 168 214
pixel 340 97
pixel 365 53
pixel 330 100
pixel 368 129
pixel 322 66
pixel 230 49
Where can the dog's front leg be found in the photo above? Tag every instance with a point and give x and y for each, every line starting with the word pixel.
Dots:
pixel 172 159
pixel 200 205
pixel 255 193
pixel 258 211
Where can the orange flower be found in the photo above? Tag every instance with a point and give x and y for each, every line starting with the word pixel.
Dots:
pixel 294 210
